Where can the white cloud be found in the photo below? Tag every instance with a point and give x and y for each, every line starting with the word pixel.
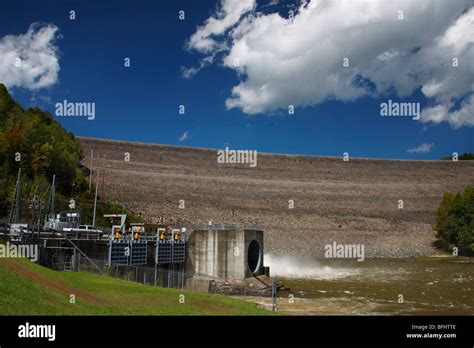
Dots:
pixel 463 116
pixel 300 64
pixel 423 148
pixel 228 14
pixel 184 136
pixel 190 72
pixel 203 40
pixel 30 60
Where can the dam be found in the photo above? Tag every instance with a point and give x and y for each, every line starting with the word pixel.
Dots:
pixel 353 202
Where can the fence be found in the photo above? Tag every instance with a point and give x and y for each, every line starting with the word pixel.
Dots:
pixel 172 277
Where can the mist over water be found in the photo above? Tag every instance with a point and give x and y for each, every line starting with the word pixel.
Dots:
pixel 291 267
pixel 429 286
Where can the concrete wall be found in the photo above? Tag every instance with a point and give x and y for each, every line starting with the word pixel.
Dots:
pixel 223 253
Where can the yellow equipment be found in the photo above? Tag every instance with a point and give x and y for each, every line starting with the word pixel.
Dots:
pixel 162 235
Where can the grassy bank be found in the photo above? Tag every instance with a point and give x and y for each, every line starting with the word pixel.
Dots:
pixel 29 289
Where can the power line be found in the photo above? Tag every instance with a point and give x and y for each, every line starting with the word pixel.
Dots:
pixel 16 200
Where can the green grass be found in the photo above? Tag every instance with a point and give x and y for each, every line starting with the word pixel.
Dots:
pixel 102 295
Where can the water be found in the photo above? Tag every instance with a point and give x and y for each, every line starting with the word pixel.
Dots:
pixel 428 286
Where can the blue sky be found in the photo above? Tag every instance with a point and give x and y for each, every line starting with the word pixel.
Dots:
pixel 140 103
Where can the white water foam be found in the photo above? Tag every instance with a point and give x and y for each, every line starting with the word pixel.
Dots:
pixel 290 267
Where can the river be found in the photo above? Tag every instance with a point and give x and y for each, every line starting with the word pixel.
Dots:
pixel 422 286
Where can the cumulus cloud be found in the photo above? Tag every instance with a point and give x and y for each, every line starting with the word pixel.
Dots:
pixel 228 14
pixel 184 136
pixel 30 60
pixel 300 62
pixel 423 148
pixel 463 116
pixel 204 39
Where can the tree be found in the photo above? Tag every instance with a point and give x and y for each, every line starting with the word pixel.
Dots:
pixel 466 156
pixel 455 222
pixel 46 149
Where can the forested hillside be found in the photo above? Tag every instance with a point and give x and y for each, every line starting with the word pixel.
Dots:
pixel 33 140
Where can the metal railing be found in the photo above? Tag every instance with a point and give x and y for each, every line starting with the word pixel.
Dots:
pixel 173 278
pixel 163 277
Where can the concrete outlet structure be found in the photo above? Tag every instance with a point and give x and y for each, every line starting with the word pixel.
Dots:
pixel 226 252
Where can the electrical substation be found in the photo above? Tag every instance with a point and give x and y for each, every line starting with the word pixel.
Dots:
pixel 218 258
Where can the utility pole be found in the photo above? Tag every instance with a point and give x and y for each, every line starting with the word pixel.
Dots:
pixel 53 195
pixel 103 178
pixel 31 205
pixel 90 171
pixel 17 204
pixel 36 205
pixel 40 217
pixel 156 261
pixel 274 294
pixel 5 179
pixel 95 200
pixel 16 200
